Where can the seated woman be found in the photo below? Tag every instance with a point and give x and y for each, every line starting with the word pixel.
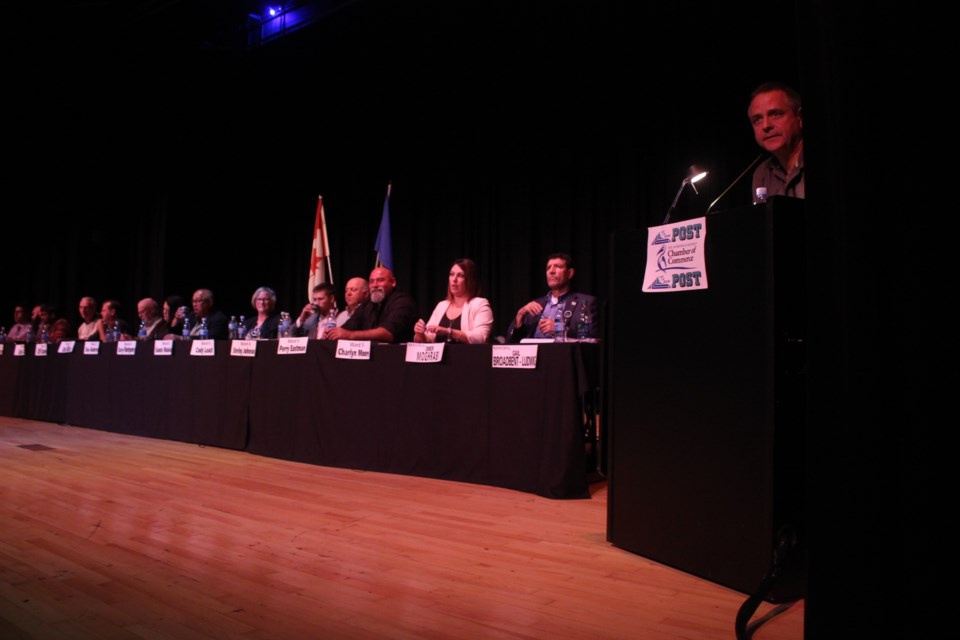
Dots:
pixel 173 319
pixel 463 316
pixel 264 325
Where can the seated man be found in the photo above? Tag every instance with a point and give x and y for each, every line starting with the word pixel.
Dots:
pixel 57 329
pixel 354 294
pixel 88 314
pixel 314 313
pixel 388 316
pixel 149 312
pixel 21 325
pixel 217 329
pixel 536 318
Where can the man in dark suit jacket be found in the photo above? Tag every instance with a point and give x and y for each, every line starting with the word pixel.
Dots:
pixel 536 318
pixel 216 321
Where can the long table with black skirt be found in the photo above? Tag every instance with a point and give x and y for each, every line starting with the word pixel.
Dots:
pixel 459 419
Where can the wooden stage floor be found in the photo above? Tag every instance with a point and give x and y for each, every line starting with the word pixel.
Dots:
pixel 112 536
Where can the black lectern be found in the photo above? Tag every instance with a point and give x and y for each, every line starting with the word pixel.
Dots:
pixel 706 403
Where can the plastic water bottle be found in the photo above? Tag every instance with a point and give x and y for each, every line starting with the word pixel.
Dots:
pixel 331 322
pixel 242 328
pixel 186 328
pixel 44 334
pixel 116 332
pixel 232 327
pixel 142 331
pixel 560 331
pixel 760 197
pixel 585 330
pixel 29 336
pixel 204 330
pixel 284 330
pixel 3 334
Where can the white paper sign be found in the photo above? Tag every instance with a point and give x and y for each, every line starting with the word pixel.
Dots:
pixel 521 356
pixel 40 349
pixel 19 350
pixel 675 257
pixel 425 352
pixel 163 347
pixel 202 347
pixel 64 347
pixel 91 348
pixel 126 347
pixel 243 348
pixel 353 349
pixel 290 346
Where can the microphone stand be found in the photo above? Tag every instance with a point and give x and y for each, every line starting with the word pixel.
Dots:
pixel 732 184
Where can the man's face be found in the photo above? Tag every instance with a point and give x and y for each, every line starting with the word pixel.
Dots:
pixel 107 313
pixel 382 284
pixel 35 314
pixel 88 309
pixel 558 276
pixel 145 311
pixel 776 127
pixel 324 301
pixel 201 303
pixel 355 291
pixel 20 315
pixel 45 316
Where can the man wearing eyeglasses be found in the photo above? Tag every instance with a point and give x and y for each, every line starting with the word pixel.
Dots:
pixel 202 302
pixel 776 117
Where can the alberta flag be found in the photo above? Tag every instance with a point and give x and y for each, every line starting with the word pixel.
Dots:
pixel 384 246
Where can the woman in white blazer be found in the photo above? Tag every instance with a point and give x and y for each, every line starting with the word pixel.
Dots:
pixel 463 316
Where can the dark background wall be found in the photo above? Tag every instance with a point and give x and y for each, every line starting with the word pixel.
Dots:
pixel 148 154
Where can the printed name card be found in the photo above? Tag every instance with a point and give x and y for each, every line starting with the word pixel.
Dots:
pixel 163 347
pixel 65 347
pixel 353 349
pixel 91 348
pixel 675 257
pixel 424 352
pixel 521 356
pixel 19 350
pixel 40 349
pixel 290 346
pixel 202 347
pixel 126 347
pixel 243 348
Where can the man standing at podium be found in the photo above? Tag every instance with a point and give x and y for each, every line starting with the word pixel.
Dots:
pixel 776 118
pixel 536 318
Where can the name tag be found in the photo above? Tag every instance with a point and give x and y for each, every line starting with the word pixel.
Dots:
pixel 64 347
pixel 91 348
pixel 40 349
pixel 243 348
pixel 19 350
pixel 202 347
pixel 353 349
pixel 425 353
pixel 126 347
pixel 289 346
pixel 523 356
pixel 163 348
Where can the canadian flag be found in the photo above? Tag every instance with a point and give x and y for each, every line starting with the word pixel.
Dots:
pixel 320 252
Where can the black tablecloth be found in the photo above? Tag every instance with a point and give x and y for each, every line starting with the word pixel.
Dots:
pixel 457 420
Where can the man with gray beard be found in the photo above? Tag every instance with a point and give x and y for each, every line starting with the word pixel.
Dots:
pixel 388 316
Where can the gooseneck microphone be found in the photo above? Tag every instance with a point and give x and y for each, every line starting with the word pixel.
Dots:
pixel 734 183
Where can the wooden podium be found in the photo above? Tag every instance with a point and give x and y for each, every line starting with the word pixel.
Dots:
pixel 706 403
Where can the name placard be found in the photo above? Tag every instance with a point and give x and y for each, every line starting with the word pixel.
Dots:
pixel 290 346
pixel 40 349
pixel 243 348
pixel 126 347
pixel 521 356
pixel 19 350
pixel 675 257
pixel 163 347
pixel 353 349
pixel 424 353
pixel 202 347
pixel 91 348
pixel 64 347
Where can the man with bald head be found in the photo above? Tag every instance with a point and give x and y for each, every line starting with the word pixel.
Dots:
pixel 149 312
pixel 202 302
pixel 388 316
pixel 355 293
